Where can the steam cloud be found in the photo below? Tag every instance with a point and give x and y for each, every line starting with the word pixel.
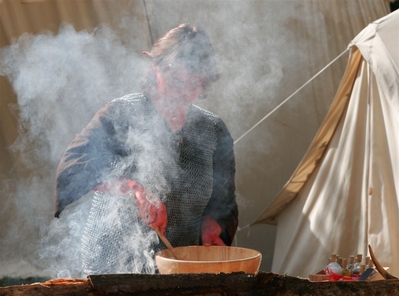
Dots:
pixel 62 80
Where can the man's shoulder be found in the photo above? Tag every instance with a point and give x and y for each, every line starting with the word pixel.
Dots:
pixel 212 118
pixel 130 99
pixel 206 113
pixel 123 106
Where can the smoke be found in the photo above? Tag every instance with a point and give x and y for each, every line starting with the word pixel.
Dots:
pixel 61 81
pixel 76 244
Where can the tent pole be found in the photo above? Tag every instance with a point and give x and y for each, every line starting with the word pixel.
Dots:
pixel 148 22
pixel 368 193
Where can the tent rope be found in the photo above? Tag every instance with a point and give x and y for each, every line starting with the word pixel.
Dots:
pixel 242 228
pixel 283 102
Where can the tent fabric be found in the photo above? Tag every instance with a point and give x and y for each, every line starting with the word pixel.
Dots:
pixel 268 49
pixel 344 193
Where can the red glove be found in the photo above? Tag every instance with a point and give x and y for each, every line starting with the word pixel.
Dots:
pixel 211 231
pixel 151 210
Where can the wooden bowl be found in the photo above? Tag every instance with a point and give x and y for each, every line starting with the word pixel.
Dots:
pixel 212 259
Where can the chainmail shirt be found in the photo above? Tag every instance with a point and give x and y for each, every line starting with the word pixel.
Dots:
pixel 191 171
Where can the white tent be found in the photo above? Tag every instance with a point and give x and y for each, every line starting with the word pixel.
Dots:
pixel 344 194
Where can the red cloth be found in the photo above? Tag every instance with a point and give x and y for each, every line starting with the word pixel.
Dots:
pixel 211 231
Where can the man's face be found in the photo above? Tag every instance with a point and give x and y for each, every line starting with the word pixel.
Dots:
pixel 179 86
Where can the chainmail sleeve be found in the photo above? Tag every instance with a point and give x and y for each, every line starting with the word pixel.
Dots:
pixel 90 157
pixel 222 205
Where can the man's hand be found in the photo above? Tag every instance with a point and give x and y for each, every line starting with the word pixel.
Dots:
pixel 151 210
pixel 211 231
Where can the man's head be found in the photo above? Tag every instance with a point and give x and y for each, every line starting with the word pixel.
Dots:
pixel 185 47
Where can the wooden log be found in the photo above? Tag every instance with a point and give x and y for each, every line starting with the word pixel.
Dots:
pixel 238 284
pixel 59 287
